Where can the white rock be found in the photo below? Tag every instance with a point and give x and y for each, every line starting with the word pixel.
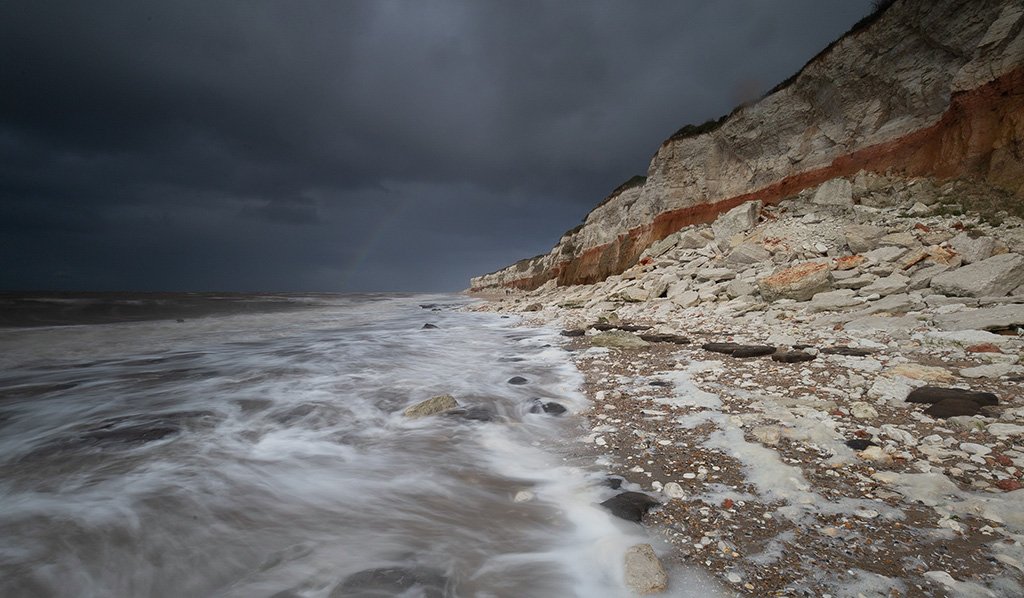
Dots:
pixel 737 220
pixel 644 573
pixel 992 370
pixel 673 490
pixel 523 496
pixel 862 410
pixel 993 277
pixel 1001 429
pixel 974 449
pixel 836 192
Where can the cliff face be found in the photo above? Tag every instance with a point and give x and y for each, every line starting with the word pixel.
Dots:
pixel 929 88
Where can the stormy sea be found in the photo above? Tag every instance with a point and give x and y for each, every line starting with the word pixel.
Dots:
pixel 255 445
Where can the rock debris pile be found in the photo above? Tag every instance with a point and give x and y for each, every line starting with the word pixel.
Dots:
pixel 817 397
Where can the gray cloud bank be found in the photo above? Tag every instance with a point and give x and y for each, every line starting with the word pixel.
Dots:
pixel 349 145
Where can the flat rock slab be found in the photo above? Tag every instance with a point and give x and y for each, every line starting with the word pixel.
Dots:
pixel 986 318
pixel 631 506
pixel 577 332
pixel 936 394
pixel 726 348
pixel 992 277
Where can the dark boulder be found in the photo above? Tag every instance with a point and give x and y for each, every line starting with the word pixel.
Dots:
pixel 726 348
pixel 517 380
pixel 392 581
pixel 953 408
pixel 935 394
pixel 575 332
pixel 848 351
pixel 675 339
pixel 859 444
pixel 631 506
pixel 429 326
pixel 792 357
pixel 614 482
pixel 753 351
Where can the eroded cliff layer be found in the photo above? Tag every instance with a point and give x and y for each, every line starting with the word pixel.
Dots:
pixel 927 88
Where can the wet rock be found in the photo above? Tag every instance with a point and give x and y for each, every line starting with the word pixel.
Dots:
pixel 799 282
pixel 479 414
pixel 517 380
pixel 665 338
pixel 644 573
pixel 618 340
pixel 953 408
pixel 429 326
pixel 848 351
pixel 792 356
pixel 392 581
pixel 431 406
pixel 549 407
pixel 575 332
pixel 936 394
pixel 614 482
pixel 753 351
pixel 533 307
pixel 993 277
pixel 631 506
pixel 129 435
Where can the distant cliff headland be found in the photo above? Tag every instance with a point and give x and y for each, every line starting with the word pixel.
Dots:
pixel 920 88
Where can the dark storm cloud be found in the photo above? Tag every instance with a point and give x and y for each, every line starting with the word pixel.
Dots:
pixel 349 146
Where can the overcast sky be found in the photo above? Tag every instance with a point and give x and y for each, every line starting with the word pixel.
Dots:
pixel 350 146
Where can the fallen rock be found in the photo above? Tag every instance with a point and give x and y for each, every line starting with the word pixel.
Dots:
pixel 859 444
pixel 936 394
pixel 990 370
pixel 617 339
pixel 748 253
pixel 1000 317
pixel 431 406
pixel 993 277
pixel 834 300
pixel 836 192
pixel 973 249
pixel 862 410
pixel 691 239
pixel 726 348
pixel 862 237
pixel 799 282
pixel 574 332
pixel 631 506
pixel 737 220
pixel 894 283
pixel 643 571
